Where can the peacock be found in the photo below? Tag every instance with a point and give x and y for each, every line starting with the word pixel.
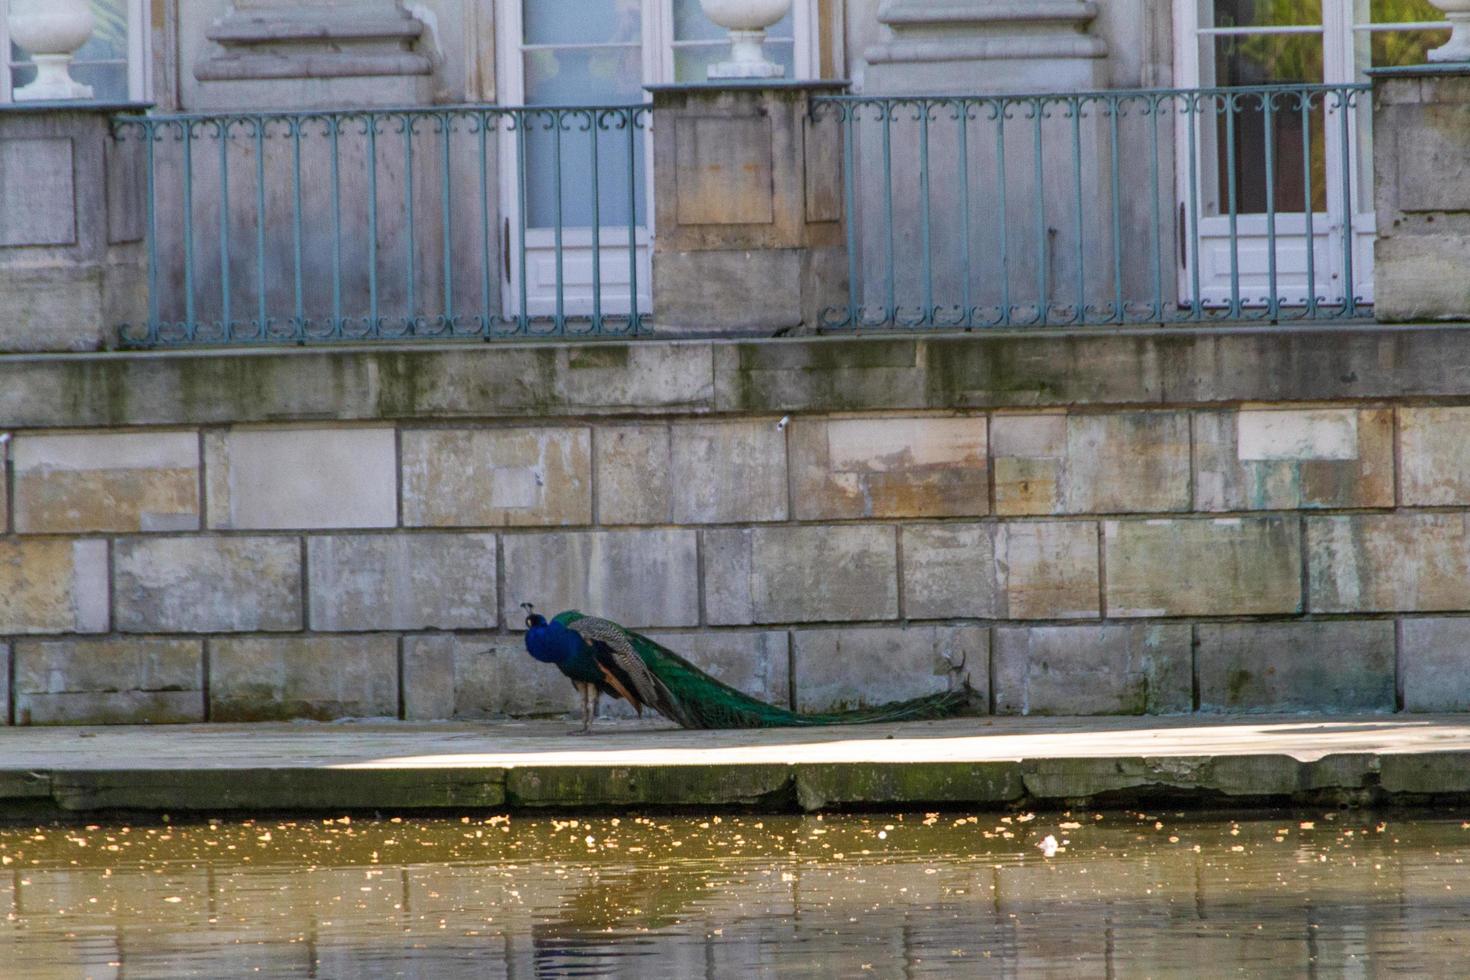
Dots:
pixel 601 657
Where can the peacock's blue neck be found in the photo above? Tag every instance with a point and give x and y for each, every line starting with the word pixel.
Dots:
pixel 552 643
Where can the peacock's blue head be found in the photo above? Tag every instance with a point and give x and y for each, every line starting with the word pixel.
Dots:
pixel 548 642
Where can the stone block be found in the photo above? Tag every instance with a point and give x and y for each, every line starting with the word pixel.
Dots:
pixel 497 477
pixel 1024 570
pixel 119 481
pixel 838 669
pixel 1421 277
pixel 1224 567
pixel 692 473
pixel 1293 460
pixel 207 585
pixel 470 676
pixel 1093 670
pixel 311 677
pixel 1133 462
pixel 637 578
pixel 1432 660
pixel 800 575
pixel 1272 667
pixel 1435 468
pixel 53 585
pixel 294 478
pixel 402 582
pixel 633 464
pixel 109 682
pixel 728 472
pixel 757 663
pixel 37 192
pixel 890 467
pixel 1389 562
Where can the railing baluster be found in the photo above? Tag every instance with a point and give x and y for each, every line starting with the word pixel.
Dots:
pixel 592 130
pixel 299 306
pixel 371 127
pixel 487 317
pixel 925 218
pixel 335 127
pixel 557 119
pixel 850 217
pixel 967 315
pixel 154 299
pixel 1156 209
pixel 1115 106
pixel 1076 106
pixel 523 119
pixel 636 319
pixel 262 307
pixel 1002 105
pixel 1231 103
pixel 411 271
pixel 222 133
pixel 1043 285
pixel 1194 107
pixel 1349 286
pixel 1273 298
pixel 890 294
pixel 446 181
pixel 191 325
pixel 1310 206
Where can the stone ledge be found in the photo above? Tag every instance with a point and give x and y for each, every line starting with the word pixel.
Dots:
pixel 989 764
pixel 1143 367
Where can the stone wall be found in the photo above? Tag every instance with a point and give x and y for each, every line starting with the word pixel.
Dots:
pixel 1144 522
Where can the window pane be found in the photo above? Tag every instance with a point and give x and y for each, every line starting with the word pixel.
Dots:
pixel 1403 12
pixel 583 76
pixel 1264 59
pixel 1389 49
pixel 690 24
pixel 582 21
pixel 1260 13
pixel 109 81
pixel 691 64
pixel 110 38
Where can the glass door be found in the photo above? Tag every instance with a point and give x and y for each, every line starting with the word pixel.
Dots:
pixel 572 53
pixel 1282 185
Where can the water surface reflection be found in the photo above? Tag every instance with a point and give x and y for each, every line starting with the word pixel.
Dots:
pixel 914 895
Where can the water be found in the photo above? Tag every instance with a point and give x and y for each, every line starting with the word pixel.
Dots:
pixel 1306 894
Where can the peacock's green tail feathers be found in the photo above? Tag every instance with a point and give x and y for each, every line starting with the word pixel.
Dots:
pixel 704 702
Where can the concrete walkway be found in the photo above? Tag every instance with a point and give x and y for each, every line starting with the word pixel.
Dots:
pixel 988 763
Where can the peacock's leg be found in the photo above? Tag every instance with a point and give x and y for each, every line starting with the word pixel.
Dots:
pixel 589 694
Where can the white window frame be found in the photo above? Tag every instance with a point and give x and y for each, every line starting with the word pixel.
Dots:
pixel 139 78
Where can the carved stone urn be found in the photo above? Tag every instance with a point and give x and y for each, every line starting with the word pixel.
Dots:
pixel 51 31
pixel 1458 47
pixel 747 22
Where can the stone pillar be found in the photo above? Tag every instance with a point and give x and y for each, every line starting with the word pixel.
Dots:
pixel 1421 191
pixel 72 259
pixel 748 208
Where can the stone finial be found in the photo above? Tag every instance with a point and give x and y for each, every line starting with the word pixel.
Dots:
pixel 1457 49
pixel 52 31
pixel 747 22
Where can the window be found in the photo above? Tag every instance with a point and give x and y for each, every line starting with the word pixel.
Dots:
pixel 112 62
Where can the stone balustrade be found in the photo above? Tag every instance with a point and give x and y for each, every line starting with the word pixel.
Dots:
pixel 1159 522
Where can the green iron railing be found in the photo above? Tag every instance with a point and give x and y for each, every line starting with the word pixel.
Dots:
pixel 1149 206
pixel 286 227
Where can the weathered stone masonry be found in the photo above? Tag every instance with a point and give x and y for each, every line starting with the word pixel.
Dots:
pixel 1105 523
